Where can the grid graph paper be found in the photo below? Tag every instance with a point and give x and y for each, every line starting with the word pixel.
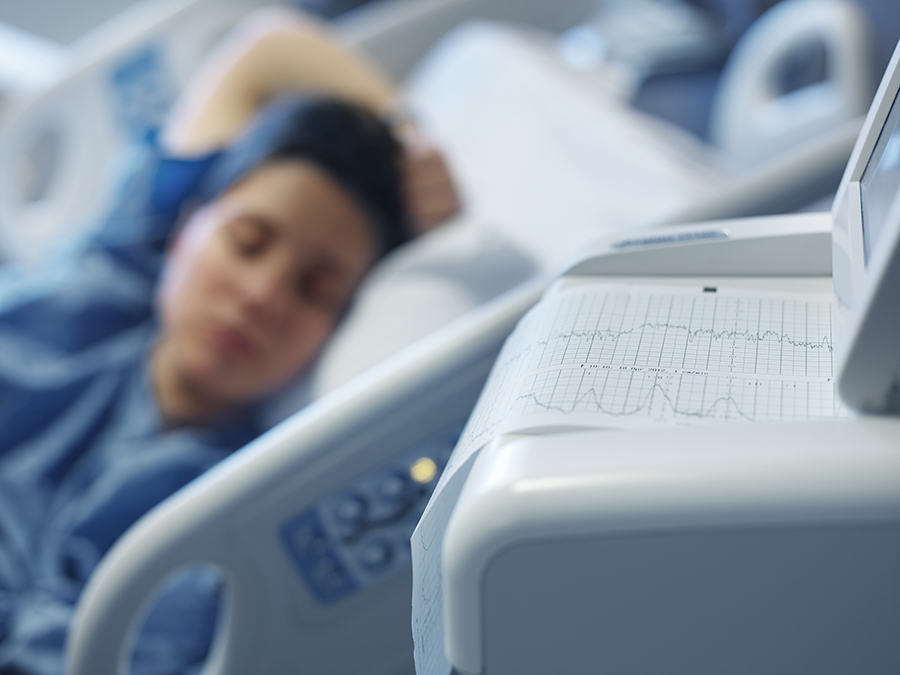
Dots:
pixel 622 356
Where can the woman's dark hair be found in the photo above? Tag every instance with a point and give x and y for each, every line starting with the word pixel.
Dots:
pixel 345 140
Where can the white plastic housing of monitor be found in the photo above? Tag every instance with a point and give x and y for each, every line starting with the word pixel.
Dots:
pixel 867 322
pixel 693 549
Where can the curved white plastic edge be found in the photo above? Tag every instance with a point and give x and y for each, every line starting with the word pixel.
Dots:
pixel 663 480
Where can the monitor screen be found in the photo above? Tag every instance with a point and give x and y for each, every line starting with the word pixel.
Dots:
pixel 880 181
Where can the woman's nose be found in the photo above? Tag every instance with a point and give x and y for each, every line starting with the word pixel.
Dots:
pixel 265 288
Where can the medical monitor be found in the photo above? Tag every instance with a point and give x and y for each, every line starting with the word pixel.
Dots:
pixel 866 258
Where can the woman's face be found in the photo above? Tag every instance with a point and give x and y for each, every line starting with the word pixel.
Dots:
pixel 256 281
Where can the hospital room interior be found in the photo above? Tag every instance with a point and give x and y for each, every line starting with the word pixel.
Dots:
pixel 449 337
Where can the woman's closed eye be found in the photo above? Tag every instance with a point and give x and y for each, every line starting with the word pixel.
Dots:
pixel 249 237
pixel 322 287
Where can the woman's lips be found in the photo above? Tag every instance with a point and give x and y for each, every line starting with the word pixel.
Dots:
pixel 231 341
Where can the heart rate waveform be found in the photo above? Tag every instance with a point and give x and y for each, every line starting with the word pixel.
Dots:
pixel 745 335
pixel 730 334
pixel 680 396
pixel 601 356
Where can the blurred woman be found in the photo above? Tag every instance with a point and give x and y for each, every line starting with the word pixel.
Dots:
pixel 138 358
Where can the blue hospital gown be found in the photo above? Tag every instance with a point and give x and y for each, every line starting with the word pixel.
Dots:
pixel 83 449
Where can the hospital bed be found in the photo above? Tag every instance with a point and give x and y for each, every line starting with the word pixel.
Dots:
pixel 321 561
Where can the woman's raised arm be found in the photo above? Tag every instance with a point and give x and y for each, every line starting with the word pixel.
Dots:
pixel 272 51
pixel 279 50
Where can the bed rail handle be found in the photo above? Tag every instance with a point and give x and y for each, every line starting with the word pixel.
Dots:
pixel 124 585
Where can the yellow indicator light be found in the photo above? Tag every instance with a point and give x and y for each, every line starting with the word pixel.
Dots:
pixel 423 470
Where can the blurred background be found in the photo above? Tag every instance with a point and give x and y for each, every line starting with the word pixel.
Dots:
pixel 682 97
pixel 80 78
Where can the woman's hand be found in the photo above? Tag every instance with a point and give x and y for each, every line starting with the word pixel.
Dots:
pixel 429 189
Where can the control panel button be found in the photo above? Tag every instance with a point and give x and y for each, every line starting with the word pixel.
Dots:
pixel 309 541
pixel 359 535
pixel 393 487
pixel 352 509
pixel 377 554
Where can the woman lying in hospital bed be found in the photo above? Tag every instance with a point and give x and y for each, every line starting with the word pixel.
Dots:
pixel 135 360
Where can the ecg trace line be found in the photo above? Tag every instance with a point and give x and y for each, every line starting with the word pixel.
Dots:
pixel 522 355
pixel 749 335
pixel 656 342
pixel 674 371
pixel 710 411
pixel 644 406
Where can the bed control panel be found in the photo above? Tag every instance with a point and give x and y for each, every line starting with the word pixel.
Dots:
pixel 360 536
